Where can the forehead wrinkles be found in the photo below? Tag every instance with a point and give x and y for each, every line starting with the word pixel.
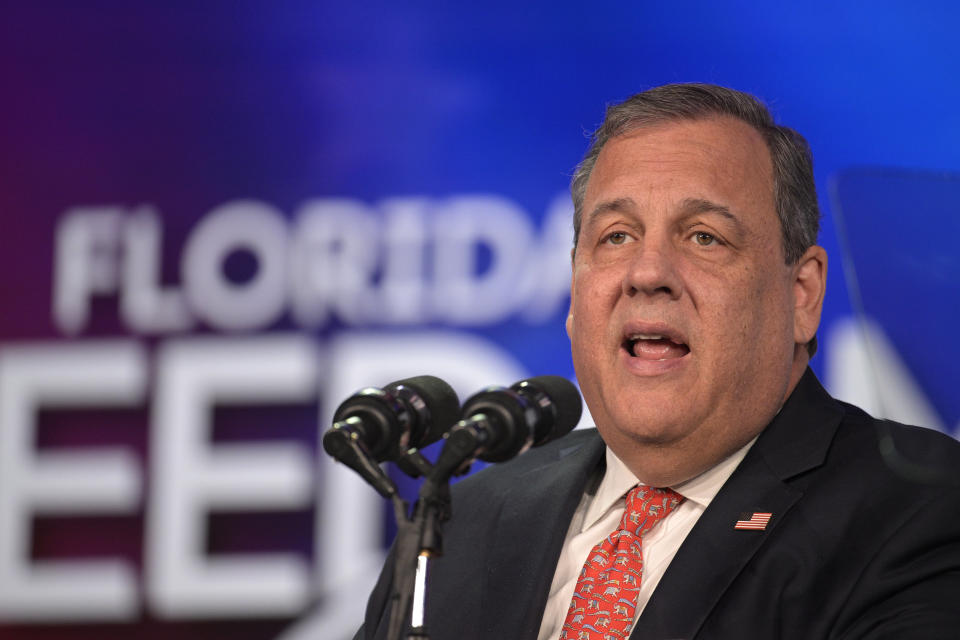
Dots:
pixel 721 152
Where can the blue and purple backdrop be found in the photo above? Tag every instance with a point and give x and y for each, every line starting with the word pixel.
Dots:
pixel 220 219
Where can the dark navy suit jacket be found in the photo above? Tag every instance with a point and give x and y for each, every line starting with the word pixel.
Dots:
pixel 861 544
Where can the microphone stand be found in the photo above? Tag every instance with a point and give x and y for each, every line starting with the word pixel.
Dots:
pixel 433 508
pixel 418 537
pixel 421 541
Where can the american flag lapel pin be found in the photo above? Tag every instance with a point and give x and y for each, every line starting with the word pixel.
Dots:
pixel 756 521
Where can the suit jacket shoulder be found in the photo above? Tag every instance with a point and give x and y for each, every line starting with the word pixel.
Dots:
pixel 863 540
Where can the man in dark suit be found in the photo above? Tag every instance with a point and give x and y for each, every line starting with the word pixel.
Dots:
pixel 696 296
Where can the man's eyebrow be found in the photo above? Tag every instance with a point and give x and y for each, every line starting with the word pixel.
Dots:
pixel 693 206
pixel 618 204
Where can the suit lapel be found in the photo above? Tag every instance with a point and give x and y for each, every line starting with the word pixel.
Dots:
pixel 715 553
pixel 529 537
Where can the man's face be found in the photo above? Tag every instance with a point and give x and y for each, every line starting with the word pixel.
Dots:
pixel 682 324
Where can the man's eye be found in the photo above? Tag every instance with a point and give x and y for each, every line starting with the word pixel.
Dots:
pixel 617 237
pixel 704 239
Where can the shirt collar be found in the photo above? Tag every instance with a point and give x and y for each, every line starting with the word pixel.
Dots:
pixel 618 480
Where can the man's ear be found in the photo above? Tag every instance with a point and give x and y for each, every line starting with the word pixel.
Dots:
pixel 809 287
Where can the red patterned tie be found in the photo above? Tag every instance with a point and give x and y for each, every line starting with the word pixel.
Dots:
pixel 605 597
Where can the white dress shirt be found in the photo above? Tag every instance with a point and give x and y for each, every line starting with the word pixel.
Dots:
pixel 598 515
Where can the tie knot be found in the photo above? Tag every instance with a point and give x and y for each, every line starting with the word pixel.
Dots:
pixel 646 506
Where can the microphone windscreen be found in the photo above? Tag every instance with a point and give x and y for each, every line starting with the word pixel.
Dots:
pixel 565 398
pixel 436 403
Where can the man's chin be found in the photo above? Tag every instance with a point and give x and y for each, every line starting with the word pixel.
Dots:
pixel 656 456
pixel 647 434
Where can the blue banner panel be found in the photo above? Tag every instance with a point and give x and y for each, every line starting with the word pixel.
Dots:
pixel 900 230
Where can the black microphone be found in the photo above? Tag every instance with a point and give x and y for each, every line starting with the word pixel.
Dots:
pixel 501 423
pixel 409 413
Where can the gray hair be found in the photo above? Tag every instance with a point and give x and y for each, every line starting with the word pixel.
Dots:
pixel 794 191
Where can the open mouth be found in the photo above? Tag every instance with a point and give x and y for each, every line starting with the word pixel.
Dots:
pixel 654 346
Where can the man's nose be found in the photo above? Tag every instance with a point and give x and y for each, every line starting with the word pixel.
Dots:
pixel 652 270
